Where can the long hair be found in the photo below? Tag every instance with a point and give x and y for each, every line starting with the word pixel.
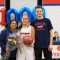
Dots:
pixel 20 26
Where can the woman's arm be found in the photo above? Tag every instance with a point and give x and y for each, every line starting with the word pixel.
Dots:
pixel 33 34
pixel 2 39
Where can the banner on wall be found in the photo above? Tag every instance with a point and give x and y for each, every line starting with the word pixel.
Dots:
pixel 51 1
pixel 55 52
pixel 2 2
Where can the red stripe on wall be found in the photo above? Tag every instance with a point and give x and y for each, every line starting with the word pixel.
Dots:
pixel 51 1
pixel 2 2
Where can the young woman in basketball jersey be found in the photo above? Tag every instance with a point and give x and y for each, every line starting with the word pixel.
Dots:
pixel 27 34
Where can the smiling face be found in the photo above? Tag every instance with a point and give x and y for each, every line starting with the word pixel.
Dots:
pixel 25 19
pixel 13 25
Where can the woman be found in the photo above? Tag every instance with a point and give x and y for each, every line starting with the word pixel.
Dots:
pixel 27 51
pixel 8 32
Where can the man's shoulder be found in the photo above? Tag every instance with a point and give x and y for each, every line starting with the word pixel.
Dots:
pixel 47 19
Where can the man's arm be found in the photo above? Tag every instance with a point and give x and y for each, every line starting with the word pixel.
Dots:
pixel 33 34
pixel 51 40
pixel 51 36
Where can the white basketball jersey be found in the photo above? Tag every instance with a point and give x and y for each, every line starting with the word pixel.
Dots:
pixel 25 31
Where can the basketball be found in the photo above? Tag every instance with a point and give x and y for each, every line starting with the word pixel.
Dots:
pixel 27 40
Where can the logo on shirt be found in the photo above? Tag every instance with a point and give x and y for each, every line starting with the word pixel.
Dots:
pixel 40 26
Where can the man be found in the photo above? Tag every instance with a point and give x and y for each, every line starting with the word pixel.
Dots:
pixel 43 36
pixel 56 36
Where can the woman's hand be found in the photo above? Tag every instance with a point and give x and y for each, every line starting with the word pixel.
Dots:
pixel 7 50
pixel 18 45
